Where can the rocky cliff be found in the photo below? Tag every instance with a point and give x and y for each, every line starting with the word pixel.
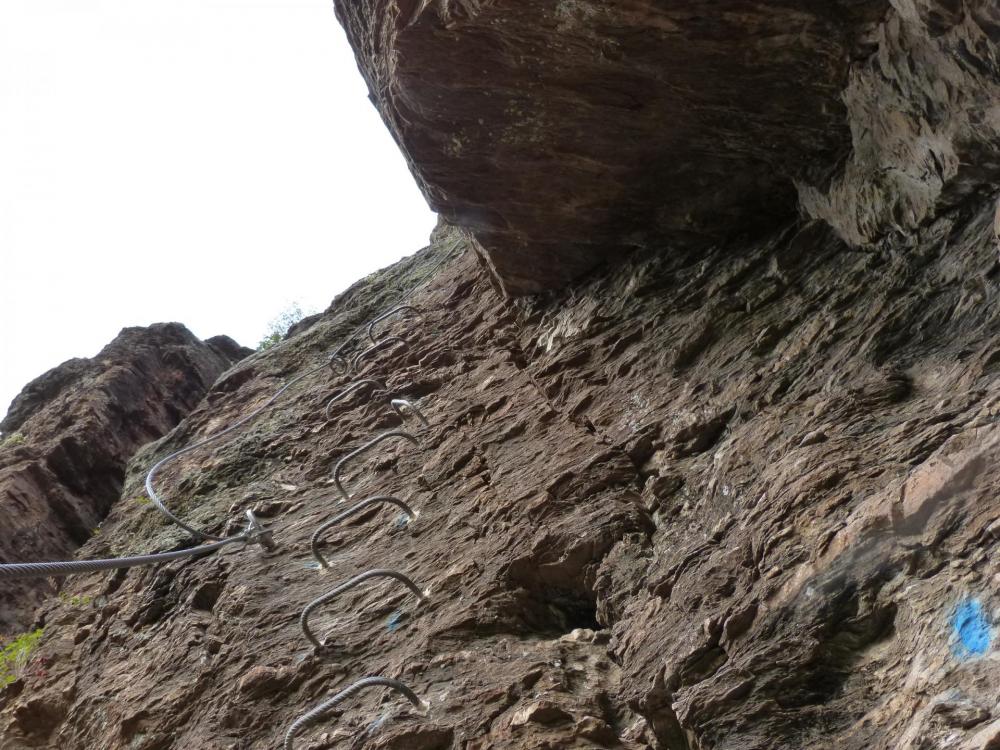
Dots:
pixel 732 490
pixel 69 434
pixel 563 133
pixel 742 500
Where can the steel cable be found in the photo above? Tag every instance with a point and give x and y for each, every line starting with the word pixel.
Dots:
pixel 394 311
pixel 347 390
pixel 387 341
pixel 254 533
pixel 202 535
pixel 210 439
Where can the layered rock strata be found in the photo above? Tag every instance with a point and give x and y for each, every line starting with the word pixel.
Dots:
pixel 743 500
pixel 564 133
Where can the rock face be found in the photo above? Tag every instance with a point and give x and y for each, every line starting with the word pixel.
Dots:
pixel 742 500
pixel 69 434
pixel 563 133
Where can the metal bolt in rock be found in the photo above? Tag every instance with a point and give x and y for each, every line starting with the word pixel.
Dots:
pixel 364 449
pixel 384 343
pixel 394 311
pixel 158 502
pixel 354 510
pixel 401 406
pixel 347 390
pixel 347 586
pixel 338 363
pixel 315 714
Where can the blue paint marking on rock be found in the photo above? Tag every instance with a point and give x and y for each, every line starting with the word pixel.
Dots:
pixel 394 621
pixel 971 630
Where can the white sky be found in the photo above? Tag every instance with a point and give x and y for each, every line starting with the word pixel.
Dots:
pixel 205 161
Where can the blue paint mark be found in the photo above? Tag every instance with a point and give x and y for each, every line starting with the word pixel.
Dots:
pixel 971 630
pixel 394 621
pixel 402 521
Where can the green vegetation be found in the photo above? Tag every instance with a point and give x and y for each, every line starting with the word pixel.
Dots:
pixel 279 326
pixel 75 600
pixel 16 654
pixel 14 438
pixel 268 341
pixel 141 500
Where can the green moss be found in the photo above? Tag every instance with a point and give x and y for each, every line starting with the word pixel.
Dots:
pixel 15 438
pixel 15 655
pixel 75 600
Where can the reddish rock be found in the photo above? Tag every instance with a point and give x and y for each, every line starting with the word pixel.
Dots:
pixel 563 133
pixel 638 555
pixel 261 681
pixel 71 432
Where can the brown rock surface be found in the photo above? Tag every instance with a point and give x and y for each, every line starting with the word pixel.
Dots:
pixel 632 534
pixel 562 133
pixel 70 433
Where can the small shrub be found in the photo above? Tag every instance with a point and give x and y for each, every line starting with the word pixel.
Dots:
pixel 279 326
pixel 13 439
pixel 268 341
pixel 16 654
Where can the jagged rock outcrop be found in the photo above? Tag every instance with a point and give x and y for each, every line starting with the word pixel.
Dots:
pixel 69 434
pixel 743 500
pixel 563 133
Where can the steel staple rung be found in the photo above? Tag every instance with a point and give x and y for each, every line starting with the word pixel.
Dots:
pixel 347 586
pixel 354 510
pixel 364 449
pixel 399 310
pixel 316 713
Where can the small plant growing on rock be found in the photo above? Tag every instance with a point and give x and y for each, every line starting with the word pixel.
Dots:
pixel 75 600
pixel 279 326
pixel 15 656
pixel 11 440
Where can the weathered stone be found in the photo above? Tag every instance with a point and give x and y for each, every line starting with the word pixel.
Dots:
pixel 594 729
pixel 78 425
pixel 849 586
pixel 542 712
pixel 261 681
pixel 563 133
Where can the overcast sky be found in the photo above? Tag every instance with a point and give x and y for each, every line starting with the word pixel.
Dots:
pixel 205 161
